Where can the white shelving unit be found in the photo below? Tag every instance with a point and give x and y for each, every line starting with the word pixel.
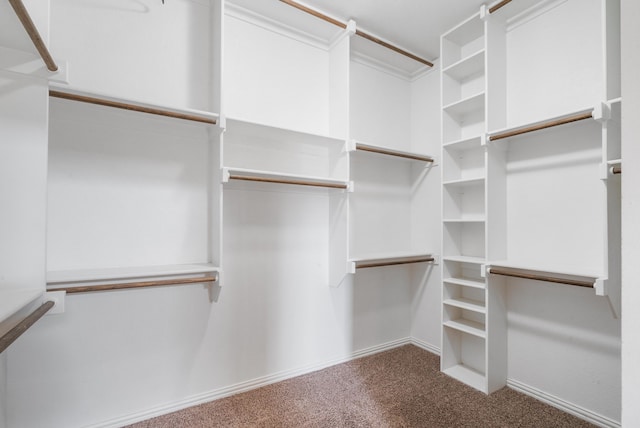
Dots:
pixel 528 184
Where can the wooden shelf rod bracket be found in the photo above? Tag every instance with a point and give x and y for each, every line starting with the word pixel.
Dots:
pixel 545 278
pixel 360 33
pixel 34 35
pixel 131 107
pixel 540 126
pixel 497 6
pixel 392 153
pixel 8 338
pixel 139 284
pixel 287 181
pixel 394 263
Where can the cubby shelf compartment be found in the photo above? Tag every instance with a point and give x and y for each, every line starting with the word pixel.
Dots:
pixel 465 106
pixel 196 116
pixel 466 67
pixel 464 182
pixel 13 300
pixel 465 282
pixel 465 143
pixel 465 259
pixel 467 375
pixel 464 220
pixel 394 153
pixel 381 260
pixel 282 178
pixel 463 41
pixel 465 303
pixel 467 326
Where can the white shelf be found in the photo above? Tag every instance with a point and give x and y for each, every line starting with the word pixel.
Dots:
pixel 392 153
pixel 390 259
pixel 110 274
pixel 468 304
pixel 465 259
pixel 464 182
pixel 466 67
pixel 466 326
pixel 569 272
pixel 464 220
pixel 264 132
pixel 464 143
pixel 203 118
pixel 465 282
pixel 467 375
pixel 281 178
pixel 465 106
pixel 13 300
pixel 537 123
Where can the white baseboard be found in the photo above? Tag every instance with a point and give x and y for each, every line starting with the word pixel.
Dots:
pixel 426 346
pixel 565 406
pixel 216 394
pixel 206 397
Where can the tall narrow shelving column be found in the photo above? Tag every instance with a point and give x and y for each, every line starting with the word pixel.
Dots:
pixel 466 332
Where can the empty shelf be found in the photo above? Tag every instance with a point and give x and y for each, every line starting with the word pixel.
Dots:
pixel 467 375
pixel 465 106
pixel 391 260
pixel 114 274
pixel 464 143
pixel 466 326
pixel 473 283
pixel 76 95
pixel 466 67
pixel 281 178
pixel 465 259
pixel 392 152
pixel 468 304
pixel 464 182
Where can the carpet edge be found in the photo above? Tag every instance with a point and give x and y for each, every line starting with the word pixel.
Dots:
pixel 249 385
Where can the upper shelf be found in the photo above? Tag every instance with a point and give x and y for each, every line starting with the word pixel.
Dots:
pixel 540 125
pixel 466 67
pixel 112 274
pixel 245 174
pixel 392 152
pixel 465 106
pixel 189 115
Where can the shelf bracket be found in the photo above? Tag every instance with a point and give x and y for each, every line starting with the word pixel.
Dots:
pixel 602 112
pixel 58 298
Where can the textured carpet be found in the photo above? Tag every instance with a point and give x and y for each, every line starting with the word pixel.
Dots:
pixel 402 387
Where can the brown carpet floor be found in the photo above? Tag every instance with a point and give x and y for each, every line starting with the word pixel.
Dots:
pixel 402 387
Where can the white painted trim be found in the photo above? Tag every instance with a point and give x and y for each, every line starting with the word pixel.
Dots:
pixel 565 406
pixel 426 346
pixel 384 67
pixel 245 386
pixel 234 11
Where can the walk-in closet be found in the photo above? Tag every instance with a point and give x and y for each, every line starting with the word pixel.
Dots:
pixel 202 198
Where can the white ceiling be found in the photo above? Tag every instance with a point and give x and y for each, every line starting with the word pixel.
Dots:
pixel 415 25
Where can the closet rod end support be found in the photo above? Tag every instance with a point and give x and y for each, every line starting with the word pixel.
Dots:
pixel 57 297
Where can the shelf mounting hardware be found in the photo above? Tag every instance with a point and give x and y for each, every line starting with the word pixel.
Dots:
pixel 360 33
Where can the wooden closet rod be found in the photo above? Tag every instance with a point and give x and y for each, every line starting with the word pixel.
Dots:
pixel 32 31
pixel 393 263
pixel 286 181
pixel 358 32
pixel 132 107
pixel 140 284
pixel 392 153
pixel 9 337
pixel 545 125
pixel 504 272
pixel 499 5
pixel 616 170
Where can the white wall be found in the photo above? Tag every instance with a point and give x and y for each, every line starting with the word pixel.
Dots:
pixel 3 391
pixel 114 354
pixel 630 214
